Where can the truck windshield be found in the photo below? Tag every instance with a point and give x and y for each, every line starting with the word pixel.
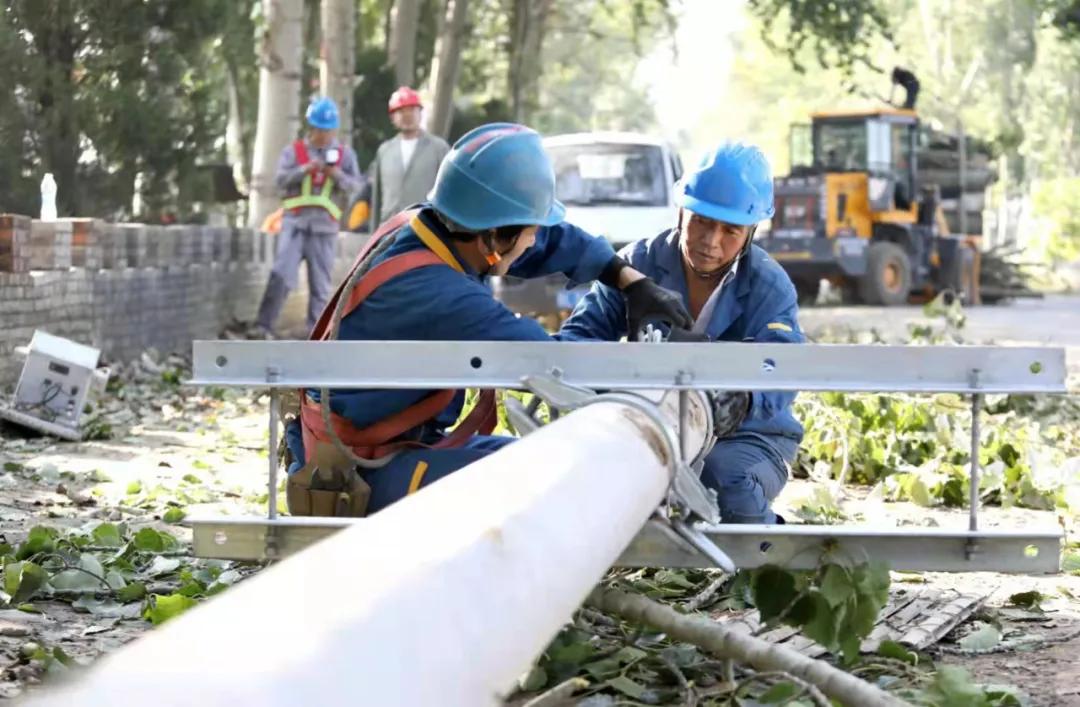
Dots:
pixel 609 173
pixel 840 146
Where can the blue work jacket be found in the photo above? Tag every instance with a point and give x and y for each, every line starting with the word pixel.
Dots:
pixel 757 304
pixel 439 303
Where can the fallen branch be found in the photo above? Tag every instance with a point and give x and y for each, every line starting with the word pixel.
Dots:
pixel 812 692
pixel 559 694
pixel 705 595
pixel 759 654
pixel 1028 644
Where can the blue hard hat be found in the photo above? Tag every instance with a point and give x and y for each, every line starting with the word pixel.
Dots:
pixel 323 114
pixel 732 183
pixel 497 175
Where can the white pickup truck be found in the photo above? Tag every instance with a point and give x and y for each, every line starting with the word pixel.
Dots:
pixel 615 185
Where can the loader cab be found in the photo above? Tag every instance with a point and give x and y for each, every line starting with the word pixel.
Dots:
pixel 870 160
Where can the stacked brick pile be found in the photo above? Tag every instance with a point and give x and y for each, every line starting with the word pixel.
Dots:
pixel 127 287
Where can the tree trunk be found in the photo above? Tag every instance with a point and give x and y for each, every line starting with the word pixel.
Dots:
pixel 59 131
pixel 445 66
pixel 401 52
pixel 279 99
pixel 528 20
pixel 338 58
pixel 236 148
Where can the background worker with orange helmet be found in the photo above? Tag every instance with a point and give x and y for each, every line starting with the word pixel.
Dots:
pixel 315 176
pixel 405 166
pixel 735 292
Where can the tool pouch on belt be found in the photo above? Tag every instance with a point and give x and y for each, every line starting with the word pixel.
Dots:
pixel 327 485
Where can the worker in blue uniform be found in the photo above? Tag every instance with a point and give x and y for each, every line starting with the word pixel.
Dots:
pixel 735 292
pixel 492 211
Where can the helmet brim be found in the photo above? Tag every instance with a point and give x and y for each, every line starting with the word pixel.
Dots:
pixel 720 213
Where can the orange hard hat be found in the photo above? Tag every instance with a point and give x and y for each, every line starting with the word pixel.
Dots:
pixel 403 98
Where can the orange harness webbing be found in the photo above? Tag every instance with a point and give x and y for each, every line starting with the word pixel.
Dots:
pixel 375 440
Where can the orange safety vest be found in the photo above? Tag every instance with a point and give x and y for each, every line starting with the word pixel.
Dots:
pixel 376 440
pixel 307 198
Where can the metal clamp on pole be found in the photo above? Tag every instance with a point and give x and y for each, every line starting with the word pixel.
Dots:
pixel 684 419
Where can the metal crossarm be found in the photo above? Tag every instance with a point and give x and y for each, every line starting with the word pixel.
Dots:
pixel 796 547
pixel 741 366
pixel 586 367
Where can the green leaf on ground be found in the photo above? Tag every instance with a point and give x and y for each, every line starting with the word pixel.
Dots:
pixel 984 637
pixel 1027 600
pixel 174 515
pixel 40 539
pixel 108 534
pixel 952 687
pixel 107 608
pixel 892 649
pixel 133 488
pixel 773 590
pixel 150 540
pixel 22 580
pixel 627 686
pixel 780 692
pixel 533 680
pixel 162 566
pixel 135 591
pixel 160 608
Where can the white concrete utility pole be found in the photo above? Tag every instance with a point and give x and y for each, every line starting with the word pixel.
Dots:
pixel 445 598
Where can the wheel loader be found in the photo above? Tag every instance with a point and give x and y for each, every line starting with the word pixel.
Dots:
pixel 854 213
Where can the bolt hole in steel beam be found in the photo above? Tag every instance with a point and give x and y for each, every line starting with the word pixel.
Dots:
pixel 1036 368
pixel 1031 551
pixel 221 361
pixel 768 365
pixel 476 362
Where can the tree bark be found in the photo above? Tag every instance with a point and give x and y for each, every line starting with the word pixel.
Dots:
pixel 528 21
pixel 744 648
pixel 280 55
pixel 401 52
pixel 445 66
pixel 236 148
pixel 59 128
pixel 337 58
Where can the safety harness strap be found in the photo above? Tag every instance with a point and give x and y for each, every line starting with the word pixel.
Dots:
pixel 375 440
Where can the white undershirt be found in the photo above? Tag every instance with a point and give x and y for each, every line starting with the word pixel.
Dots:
pixel 408 147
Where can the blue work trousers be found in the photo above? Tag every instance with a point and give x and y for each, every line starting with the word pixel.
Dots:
pixel 413 470
pixel 747 474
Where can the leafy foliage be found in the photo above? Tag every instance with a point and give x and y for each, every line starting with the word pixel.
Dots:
pixel 840 34
pixel 98 93
pixel 835 606
pixel 106 569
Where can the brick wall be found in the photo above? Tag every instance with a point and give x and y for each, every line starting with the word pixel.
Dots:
pixel 126 287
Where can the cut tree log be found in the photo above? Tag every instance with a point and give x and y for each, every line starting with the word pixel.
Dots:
pixel 734 645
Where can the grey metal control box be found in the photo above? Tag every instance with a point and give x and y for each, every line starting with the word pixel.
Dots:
pixel 58 378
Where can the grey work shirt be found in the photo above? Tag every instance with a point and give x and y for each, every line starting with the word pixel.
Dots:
pixel 290 175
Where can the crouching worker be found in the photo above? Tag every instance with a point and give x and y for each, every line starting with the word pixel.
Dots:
pixel 422 277
pixel 735 292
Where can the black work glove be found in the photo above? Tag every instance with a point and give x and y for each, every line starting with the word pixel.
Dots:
pixel 730 408
pixel 679 335
pixel 647 302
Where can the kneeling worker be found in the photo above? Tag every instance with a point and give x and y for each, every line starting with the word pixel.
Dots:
pixel 492 212
pixel 735 292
